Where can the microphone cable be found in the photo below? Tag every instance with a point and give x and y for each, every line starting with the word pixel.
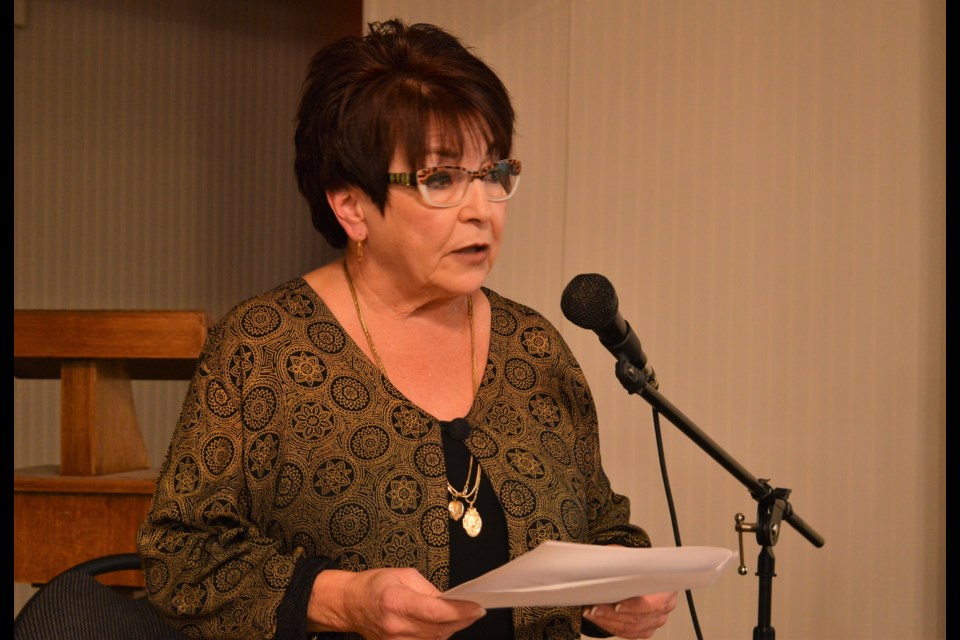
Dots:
pixel 590 302
pixel 673 515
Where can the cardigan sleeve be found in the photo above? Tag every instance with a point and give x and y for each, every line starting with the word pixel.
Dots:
pixel 210 568
pixel 608 513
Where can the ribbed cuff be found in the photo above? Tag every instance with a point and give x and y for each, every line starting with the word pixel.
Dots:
pixel 292 612
pixel 591 630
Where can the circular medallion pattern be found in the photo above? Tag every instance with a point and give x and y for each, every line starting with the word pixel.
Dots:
pixel 352 561
pixel 369 443
pixel 277 572
pixel 504 419
pixel 520 374
pixel 312 421
pixel 482 445
pixel 297 305
pixel 584 454
pixel 186 476
pixel 489 373
pixel 333 477
pixel 540 531
pixel 556 628
pixel 349 524
pixel 327 336
pixel 502 322
pixel 288 485
pixel 518 500
pixel 218 400
pixel 260 320
pixel 349 393
pixel 403 494
pixel 217 454
pixel 188 598
pixel 555 447
pixel 399 549
pixel 428 459
pixel 526 463
pixel 409 422
pixel 305 541
pixel 234 616
pixel 219 512
pixel 536 342
pixel 229 575
pixel 305 369
pixel 440 577
pixel 544 410
pixel 156 574
pixel 241 365
pixel 262 454
pixel 572 517
pixel 259 407
pixel 434 527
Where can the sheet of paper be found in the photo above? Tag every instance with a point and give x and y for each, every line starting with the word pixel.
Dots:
pixel 570 574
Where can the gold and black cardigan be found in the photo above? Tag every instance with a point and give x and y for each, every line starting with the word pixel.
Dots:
pixel 293 453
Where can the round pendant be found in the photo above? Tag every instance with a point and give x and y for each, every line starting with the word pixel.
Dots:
pixel 472 522
pixel 455 507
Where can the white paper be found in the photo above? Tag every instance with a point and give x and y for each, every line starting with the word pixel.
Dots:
pixel 571 574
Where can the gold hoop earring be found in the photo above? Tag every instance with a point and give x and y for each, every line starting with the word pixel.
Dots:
pixel 359 250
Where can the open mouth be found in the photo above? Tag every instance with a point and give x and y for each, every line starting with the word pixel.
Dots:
pixel 473 249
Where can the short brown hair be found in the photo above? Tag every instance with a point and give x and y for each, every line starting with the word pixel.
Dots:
pixel 366 98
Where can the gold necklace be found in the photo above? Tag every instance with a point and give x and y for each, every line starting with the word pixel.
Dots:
pixel 472 523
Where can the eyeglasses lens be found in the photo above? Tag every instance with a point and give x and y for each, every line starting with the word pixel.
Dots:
pixel 447 186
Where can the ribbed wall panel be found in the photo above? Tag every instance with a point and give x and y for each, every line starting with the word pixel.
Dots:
pixel 153 169
pixel 763 183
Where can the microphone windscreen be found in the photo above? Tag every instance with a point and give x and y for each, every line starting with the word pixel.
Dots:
pixel 589 301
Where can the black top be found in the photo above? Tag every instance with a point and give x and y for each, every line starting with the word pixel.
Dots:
pixel 472 557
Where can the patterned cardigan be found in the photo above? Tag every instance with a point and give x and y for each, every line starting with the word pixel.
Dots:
pixel 293 452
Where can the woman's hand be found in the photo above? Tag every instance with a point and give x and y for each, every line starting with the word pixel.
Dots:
pixel 386 603
pixel 637 617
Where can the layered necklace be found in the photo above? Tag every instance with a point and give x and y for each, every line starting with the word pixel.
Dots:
pixel 472 522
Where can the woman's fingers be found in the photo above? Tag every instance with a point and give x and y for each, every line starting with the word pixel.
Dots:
pixel 636 617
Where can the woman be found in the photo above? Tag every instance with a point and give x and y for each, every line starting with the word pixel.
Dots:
pixel 360 439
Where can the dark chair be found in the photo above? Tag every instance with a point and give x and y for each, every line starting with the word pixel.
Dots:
pixel 76 606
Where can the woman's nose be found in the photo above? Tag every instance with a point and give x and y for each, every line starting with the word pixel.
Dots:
pixel 476 205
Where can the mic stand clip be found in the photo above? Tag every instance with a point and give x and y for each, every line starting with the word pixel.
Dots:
pixel 633 379
pixel 771 508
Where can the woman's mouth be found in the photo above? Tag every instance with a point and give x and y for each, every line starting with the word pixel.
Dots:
pixel 472 249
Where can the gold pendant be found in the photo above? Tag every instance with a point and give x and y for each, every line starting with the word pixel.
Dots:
pixel 455 507
pixel 472 522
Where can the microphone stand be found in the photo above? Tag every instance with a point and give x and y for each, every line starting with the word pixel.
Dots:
pixel 773 506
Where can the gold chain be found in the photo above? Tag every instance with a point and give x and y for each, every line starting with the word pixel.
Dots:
pixel 471 517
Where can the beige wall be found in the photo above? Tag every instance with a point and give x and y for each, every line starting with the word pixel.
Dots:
pixel 763 182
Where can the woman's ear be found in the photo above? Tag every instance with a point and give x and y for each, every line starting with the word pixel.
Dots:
pixel 351 214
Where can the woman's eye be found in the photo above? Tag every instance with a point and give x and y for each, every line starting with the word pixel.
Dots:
pixel 500 175
pixel 439 180
pixel 497 174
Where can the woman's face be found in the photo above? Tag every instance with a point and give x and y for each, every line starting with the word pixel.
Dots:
pixel 436 252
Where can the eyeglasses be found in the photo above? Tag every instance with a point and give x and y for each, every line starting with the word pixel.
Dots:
pixel 446 186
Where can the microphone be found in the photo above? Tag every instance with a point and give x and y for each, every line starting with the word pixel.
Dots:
pixel 590 302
